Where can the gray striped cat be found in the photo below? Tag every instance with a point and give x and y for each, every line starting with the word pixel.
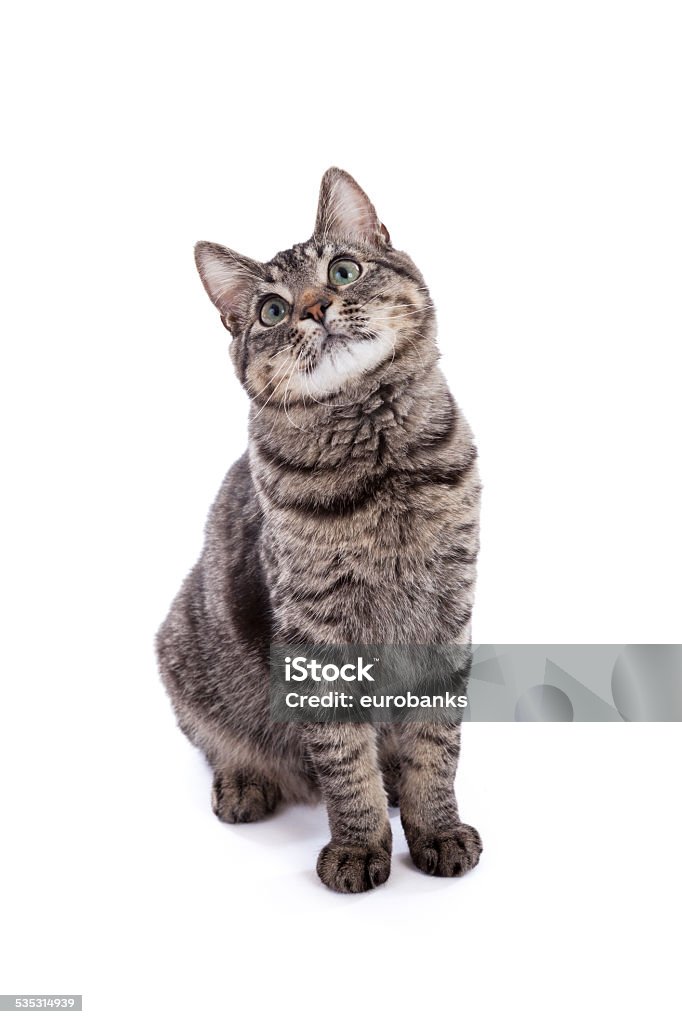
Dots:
pixel 352 518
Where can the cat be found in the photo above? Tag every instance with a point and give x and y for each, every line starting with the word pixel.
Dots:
pixel 351 518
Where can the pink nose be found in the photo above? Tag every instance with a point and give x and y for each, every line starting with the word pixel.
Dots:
pixel 315 310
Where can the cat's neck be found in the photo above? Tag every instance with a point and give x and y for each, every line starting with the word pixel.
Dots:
pixel 369 432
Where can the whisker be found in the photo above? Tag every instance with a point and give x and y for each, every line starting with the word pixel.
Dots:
pixel 286 390
pixel 267 385
pixel 274 391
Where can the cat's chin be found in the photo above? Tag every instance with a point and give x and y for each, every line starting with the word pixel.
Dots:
pixel 341 365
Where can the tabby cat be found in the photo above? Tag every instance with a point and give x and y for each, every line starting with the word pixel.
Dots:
pixel 351 518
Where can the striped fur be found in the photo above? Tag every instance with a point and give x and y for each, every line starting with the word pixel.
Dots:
pixel 352 517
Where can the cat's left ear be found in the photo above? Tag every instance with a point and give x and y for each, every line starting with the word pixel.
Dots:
pixel 345 214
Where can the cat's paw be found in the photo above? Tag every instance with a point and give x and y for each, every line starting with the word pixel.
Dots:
pixel 239 796
pixel 448 853
pixel 346 868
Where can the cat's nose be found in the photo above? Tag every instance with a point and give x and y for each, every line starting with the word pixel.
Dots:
pixel 315 310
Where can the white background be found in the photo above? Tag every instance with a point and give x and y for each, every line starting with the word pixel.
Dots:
pixel 528 157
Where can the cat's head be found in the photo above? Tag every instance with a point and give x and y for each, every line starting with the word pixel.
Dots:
pixel 328 315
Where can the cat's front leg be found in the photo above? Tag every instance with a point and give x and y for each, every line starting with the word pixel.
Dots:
pixel 440 844
pixel 359 854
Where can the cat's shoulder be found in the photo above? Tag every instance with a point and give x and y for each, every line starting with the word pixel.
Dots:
pixel 236 499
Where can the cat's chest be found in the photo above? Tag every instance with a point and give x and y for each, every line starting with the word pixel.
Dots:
pixel 385 571
pixel 380 540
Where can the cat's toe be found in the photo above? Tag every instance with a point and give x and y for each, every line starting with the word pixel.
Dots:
pixel 448 853
pixel 239 797
pixel 346 868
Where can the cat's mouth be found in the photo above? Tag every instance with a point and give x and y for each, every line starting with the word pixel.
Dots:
pixel 339 358
pixel 333 341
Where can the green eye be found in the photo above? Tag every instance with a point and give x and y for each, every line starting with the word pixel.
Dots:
pixel 273 310
pixel 343 272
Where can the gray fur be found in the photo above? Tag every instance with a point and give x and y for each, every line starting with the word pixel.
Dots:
pixel 352 518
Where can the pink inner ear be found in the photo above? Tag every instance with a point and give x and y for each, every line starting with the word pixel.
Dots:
pixel 226 276
pixel 345 212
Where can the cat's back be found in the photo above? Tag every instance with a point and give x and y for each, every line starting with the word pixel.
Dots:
pixel 223 599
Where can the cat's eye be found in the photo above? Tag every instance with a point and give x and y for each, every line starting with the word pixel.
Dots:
pixel 343 272
pixel 273 310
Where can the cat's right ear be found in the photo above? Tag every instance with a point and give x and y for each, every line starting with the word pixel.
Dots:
pixel 229 280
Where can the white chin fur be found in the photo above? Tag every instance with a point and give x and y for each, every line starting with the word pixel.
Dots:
pixel 339 366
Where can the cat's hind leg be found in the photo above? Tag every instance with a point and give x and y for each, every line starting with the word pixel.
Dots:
pixel 246 786
pixel 246 783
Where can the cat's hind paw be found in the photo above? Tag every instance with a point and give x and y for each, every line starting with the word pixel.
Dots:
pixel 239 796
